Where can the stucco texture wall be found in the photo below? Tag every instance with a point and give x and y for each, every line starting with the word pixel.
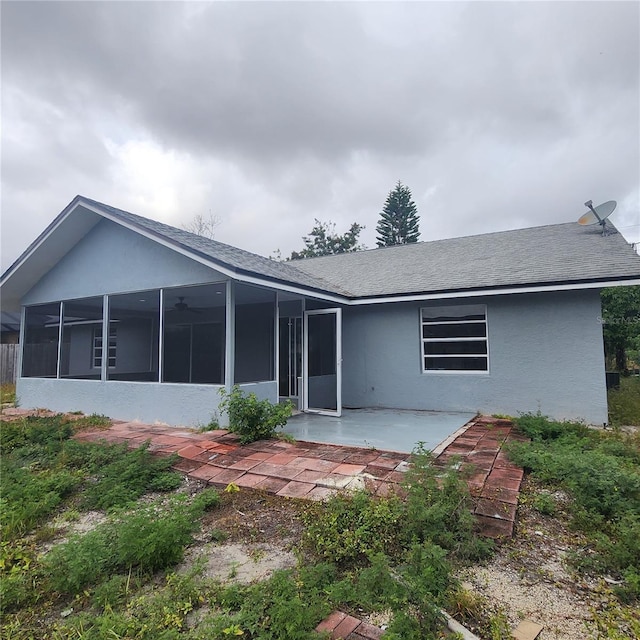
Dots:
pixel 190 405
pixel 111 259
pixel 545 353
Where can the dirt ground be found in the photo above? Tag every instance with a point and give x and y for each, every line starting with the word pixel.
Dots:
pixel 251 534
pixel 526 578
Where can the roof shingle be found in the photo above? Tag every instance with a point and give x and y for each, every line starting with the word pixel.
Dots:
pixel 557 254
pixel 552 254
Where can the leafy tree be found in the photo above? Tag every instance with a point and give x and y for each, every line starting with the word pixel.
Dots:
pixel 202 226
pixel 399 218
pixel 323 241
pixel 621 324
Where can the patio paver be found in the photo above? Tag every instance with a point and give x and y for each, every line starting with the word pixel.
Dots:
pixel 316 470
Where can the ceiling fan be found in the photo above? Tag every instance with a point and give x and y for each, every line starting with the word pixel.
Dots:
pixel 182 306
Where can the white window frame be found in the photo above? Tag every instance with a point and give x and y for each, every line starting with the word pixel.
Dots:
pixel 98 346
pixel 443 310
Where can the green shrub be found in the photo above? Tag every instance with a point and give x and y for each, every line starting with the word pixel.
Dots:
pixel 601 471
pixel 149 539
pixel 35 434
pixel 372 588
pixel 624 403
pixel 29 496
pixel 351 526
pixel 128 476
pixel 252 419
pixel 439 508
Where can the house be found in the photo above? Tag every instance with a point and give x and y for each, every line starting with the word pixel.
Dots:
pixel 132 318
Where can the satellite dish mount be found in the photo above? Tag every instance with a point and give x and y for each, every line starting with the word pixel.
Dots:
pixel 598 215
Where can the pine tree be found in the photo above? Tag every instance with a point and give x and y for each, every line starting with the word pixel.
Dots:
pixel 399 218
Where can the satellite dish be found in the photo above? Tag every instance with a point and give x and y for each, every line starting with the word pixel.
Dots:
pixel 598 215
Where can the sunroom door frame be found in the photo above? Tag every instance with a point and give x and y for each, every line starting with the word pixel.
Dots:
pixel 337 346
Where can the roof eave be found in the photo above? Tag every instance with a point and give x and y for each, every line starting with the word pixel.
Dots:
pixel 599 283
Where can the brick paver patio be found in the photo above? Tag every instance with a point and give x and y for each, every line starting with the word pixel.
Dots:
pixel 316 471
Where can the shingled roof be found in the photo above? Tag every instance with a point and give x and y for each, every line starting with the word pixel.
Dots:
pixel 558 254
pixel 548 257
pixel 223 254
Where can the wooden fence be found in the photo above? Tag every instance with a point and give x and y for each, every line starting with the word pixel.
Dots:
pixel 8 362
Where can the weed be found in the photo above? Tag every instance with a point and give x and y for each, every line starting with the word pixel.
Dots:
pixel 286 607
pixel 91 421
pixel 615 622
pixel 374 587
pixel 601 471
pixel 217 535
pixel 499 627
pixel 122 475
pixel 7 393
pixel 286 437
pixel 30 496
pixel 72 515
pixel 438 507
pixel 408 543
pixel 252 419
pixel 624 403
pixel 350 527
pixel 545 504
pixel 34 434
pixel 233 571
pixel 147 539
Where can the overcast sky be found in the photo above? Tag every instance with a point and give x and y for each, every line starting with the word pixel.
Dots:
pixel 268 115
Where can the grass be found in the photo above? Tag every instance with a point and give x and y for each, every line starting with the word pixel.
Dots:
pixel 601 472
pixel 360 553
pixel 118 581
pixel 7 393
pixel 624 403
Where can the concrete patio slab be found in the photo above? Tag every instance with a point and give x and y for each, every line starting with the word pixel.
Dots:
pixel 385 429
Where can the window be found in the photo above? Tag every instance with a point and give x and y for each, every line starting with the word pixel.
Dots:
pixel 136 316
pixel 41 334
pixel 79 319
pixel 194 334
pixel 454 339
pixel 255 315
pixel 111 347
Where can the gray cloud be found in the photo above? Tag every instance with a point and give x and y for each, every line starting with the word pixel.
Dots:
pixel 497 115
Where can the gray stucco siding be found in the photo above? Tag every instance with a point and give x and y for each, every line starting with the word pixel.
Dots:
pixel 112 259
pixel 188 405
pixel 545 353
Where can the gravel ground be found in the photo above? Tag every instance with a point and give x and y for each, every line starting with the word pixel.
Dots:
pixel 529 578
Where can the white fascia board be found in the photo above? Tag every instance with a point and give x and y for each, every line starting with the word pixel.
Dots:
pixel 35 245
pixel 495 292
pixel 230 273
